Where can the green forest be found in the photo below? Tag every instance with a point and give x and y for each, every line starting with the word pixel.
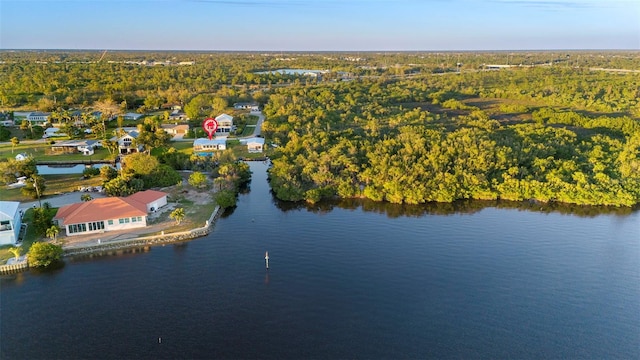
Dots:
pixel 398 127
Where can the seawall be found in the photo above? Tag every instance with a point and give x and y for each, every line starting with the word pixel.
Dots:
pixel 144 241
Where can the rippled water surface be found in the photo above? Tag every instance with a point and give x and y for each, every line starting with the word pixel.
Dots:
pixel 354 280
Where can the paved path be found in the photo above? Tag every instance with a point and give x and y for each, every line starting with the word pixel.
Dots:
pixel 60 200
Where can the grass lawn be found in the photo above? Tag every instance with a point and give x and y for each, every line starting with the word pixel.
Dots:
pixel 34 149
pixel 40 151
pixel 55 184
pixel 29 238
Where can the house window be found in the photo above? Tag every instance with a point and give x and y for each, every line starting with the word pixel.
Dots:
pixel 126 220
pixel 76 228
pixel 110 222
pixel 133 219
pixel 140 218
pixel 5 225
pixel 97 225
pixel 120 221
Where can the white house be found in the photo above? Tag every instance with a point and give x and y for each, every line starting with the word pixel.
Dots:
pixel 34 117
pixel 254 145
pixel 246 106
pixel 38 118
pixel 204 146
pixel 131 116
pixel 51 132
pixel 10 222
pixel 22 157
pixel 225 124
pixel 110 213
pixel 126 142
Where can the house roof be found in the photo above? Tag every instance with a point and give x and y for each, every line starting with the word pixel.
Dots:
pixel 9 208
pixel 175 126
pixel 74 143
pixel 223 117
pixel 255 140
pixel 205 141
pixel 100 210
pixel 147 196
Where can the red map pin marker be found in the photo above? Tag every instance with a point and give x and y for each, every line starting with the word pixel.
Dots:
pixel 210 125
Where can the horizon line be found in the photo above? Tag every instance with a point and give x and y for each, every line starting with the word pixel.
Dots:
pixel 321 51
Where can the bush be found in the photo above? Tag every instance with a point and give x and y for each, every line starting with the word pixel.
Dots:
pixel 43 254
pixel 90 171
pixel 226 198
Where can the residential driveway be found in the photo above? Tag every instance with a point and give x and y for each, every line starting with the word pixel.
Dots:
pixel 61 200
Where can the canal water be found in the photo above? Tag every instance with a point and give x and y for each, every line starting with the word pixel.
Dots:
pixel 346 280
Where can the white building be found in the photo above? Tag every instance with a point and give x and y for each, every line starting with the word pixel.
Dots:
pixel 225 124
pixel 204 146
pixel 10 222
pixel 254 145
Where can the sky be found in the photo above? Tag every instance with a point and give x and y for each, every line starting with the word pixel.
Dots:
pixel 320 25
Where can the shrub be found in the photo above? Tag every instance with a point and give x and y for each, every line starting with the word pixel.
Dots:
pixel 43 254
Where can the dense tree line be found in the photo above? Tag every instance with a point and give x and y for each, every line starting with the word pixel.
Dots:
pixel 359 139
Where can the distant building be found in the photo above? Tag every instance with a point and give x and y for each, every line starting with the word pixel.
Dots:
pixel 34 117
pixel 254 145
pixel 86 147
pixel 175 129
pixel 246 106
pixel 22 157
pixel 52 132
pixel 178 115
pixel 131 116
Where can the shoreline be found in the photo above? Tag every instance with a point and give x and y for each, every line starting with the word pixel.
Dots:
pixel 143 241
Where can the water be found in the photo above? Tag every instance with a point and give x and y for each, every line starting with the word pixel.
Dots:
pixel 71 169
pixel 358 280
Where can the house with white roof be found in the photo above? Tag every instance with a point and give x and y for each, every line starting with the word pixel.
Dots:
pixel 131 116
pixel 10 222
pixel 34 117
pixel 51 132
pixel 38 118
pixel 225 124
pixel 254 145
pixel 110 213
pixel 247 106
pixel 204 146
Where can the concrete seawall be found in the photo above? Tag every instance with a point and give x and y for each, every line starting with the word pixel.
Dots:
pixel 145 241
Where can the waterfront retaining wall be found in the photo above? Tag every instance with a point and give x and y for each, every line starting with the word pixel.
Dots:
pixel 144 241
pixel 15 267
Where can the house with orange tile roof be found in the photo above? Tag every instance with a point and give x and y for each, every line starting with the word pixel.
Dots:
pixel 109 214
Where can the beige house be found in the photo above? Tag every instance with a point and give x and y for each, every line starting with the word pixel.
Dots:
pixel 109 214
